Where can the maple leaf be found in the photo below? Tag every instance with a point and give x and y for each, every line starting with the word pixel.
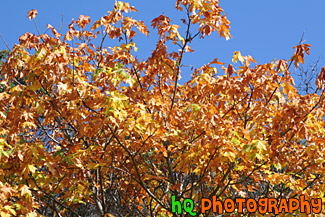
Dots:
pixel 6 192
pixel 31 168
pixel 55 33
pixel 83 21
pixel 215 61
pixel 237 56
pixel 25 190
pixel 86 123
pixel 298 56
pixel 321 79
pixel 32 14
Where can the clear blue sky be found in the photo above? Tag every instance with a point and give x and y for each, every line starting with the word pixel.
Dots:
pixel 262 29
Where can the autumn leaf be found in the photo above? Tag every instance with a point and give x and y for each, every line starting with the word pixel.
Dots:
pixel 237 56
pixel 31 168
pixel 215 61
pixel 55 33
pixel 32 14
pixel 87 123
pixel 25 190
pixel 69 35
pixel 298 56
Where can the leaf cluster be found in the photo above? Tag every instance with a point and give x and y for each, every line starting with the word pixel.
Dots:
pixel 86 127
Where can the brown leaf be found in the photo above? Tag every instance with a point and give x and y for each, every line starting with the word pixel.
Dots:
pixel 32 14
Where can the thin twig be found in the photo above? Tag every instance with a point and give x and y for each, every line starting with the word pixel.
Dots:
pixel 61 23
pixel 51 197
pixel 36 26
pixel 187 39
pixel 4 41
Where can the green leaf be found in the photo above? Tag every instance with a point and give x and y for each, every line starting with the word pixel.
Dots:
pixel 195 107
pixel 60 152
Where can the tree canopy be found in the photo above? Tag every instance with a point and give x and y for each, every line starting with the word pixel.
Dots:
pixel 87 128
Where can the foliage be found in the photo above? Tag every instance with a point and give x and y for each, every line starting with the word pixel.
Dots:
pixel 86 127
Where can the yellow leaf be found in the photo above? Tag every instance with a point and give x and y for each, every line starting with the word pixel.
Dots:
pixel 260 156
pixel 132 44
pixel 178 35
pixel 260 145
pixel 31 168
pixel 29 124
pixel 3 214
pixel 61 50
pixel 230 155
pixel 40 54
pixel 35 86
pixel 10 209
pixel 25 190
pixel 93 165
pixel 32 214
pixel 75 62
pixel 237 56
pixel 130 81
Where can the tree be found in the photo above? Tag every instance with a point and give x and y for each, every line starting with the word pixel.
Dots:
pixel 89 129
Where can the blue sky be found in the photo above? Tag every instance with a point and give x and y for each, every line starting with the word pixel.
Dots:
pixel 263 29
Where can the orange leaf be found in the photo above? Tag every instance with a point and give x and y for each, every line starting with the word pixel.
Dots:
pixel 32 14
pixel 215 61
